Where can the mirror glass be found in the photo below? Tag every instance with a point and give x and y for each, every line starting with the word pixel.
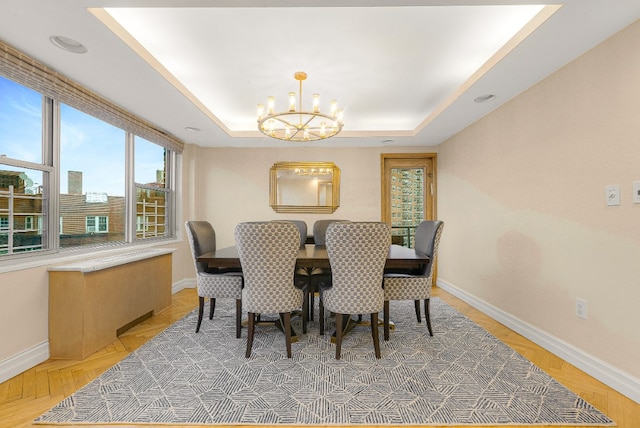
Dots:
pixel 304 187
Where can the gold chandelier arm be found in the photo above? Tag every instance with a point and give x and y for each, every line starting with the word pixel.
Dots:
pixel 295 130
pixel 300 98
pixel 312 116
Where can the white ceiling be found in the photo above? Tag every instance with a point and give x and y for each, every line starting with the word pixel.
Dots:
pixel 406 71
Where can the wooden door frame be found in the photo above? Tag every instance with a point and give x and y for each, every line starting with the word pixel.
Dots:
pixel 385 214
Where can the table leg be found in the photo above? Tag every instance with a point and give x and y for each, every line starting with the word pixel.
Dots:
pixel 348 324
pixel 278 322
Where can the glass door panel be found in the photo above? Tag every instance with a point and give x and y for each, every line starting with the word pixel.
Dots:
pixel 407 193
pixel 407 204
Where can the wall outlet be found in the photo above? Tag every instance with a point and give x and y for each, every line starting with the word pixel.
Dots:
pixel 612 194
pixel 636 192
pixel 581 309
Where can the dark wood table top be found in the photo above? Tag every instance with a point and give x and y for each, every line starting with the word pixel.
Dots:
pixel 316 256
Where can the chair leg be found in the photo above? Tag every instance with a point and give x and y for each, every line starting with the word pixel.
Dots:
pixel 238 318
pixel 338 335
pixel 417 305
pixel 305 310
pixel 374 333
pixel 386 320
pixel 252 320
pixel 212 307
pixel 200 311
pixel 321 315
pixel 427 315
pixel 287 331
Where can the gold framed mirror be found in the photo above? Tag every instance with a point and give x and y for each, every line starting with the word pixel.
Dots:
pixel 304 187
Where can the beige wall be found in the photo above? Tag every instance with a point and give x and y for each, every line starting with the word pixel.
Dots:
pixel 24 310
pixel 522 194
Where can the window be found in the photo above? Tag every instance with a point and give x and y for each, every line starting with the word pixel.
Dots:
pixel 21 200
pixel 97 224
pixel 92 178
pixel 33 224
pixel 114 173
pixel 20 122
pixel 152 196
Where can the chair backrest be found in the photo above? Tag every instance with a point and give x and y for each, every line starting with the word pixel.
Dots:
pixel 268 252
pixel 320 230
pixel 427 240
pixel 202 239
pixel 302 228
pixel 357 254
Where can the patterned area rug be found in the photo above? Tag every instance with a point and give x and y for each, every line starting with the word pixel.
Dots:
pixel 461 376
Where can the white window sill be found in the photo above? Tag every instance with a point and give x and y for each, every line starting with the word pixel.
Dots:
pixel 78 255
pixel 100 263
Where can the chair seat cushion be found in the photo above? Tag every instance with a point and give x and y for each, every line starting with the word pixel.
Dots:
pixel 220 285
pixel 406 287
pixel 288 301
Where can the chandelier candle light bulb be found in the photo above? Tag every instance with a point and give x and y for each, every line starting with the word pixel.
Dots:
pixel 292 101
pixel 271 105
pixel 297 124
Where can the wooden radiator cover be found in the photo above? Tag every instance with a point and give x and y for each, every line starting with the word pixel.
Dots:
pixel 91 300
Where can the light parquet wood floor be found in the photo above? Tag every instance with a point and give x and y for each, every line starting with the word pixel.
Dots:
pixel 30 394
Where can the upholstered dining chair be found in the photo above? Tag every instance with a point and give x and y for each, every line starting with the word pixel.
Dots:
pixel 357 253
pixel 303 275
pixel 268 252
pixel 320 230
pixel 319 277
pixel 402 286
pixel 212 283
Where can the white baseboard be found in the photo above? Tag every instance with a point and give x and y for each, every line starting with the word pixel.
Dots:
pixel 615 378
pixel 29 358
pixel 23 361
pixel 182 284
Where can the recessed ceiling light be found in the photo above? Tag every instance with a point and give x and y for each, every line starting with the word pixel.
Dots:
pixel 484 98
pixel 387 141
pixel 68 44
pixel 192 129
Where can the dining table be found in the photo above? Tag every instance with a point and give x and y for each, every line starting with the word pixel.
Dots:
pixel 311 255
pixel 399 258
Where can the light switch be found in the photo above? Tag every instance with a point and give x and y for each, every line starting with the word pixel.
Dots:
pixel 612 194
pixel 636 192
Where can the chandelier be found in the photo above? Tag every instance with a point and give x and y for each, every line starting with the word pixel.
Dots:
pixel 299 125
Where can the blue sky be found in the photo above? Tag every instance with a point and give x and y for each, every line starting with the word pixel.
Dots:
pixel 89 145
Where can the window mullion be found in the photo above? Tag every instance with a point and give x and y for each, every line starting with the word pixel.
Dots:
pixel 51 158
pixel 130 189
pixel 170 201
